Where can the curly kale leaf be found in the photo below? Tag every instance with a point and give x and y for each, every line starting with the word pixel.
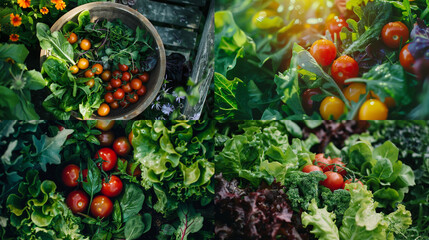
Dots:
pixel 337 202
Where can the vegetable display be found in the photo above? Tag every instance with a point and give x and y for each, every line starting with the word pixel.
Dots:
pixel 362 188
pixel 300 60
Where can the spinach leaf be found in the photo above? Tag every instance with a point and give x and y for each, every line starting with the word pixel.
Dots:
pixel 137 225
pixel 131 201
pixel 93 183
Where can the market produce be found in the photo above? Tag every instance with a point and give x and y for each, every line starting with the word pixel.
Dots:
pixel 300 60
pixel 67 186
pixel 97 49
pixel 359 190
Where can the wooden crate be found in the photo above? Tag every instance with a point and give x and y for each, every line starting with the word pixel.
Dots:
pixel 179 23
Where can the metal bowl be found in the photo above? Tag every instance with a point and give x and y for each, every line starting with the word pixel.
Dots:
pixel 131 18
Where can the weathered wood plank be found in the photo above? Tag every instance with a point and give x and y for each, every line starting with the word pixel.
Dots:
pixel 177 37
pixel 189 16
pixel 203 71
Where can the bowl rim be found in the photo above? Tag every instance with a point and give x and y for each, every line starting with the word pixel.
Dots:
pixel 160 48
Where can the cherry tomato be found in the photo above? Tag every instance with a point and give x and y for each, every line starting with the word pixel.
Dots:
pixel 83 63
pixel 348 181
pixel 141 91
pixel 136 84
pixel 354 90
pixel 85 175
pixel 130 137
pixel 331 107
pixel 406 59
pixel 70 174
pixel 373 109
pixel 77 201
pixel 394 33
pixel 344 68
pixel 112 188
pixel 126 76
pixel 258 19
pixel 124 104
pixel 85 44
pixel 324 51
pixel 322 162
pixel 109 158
pixel 339 168
pixel 106 75
pixel 137 170
pixel 134 71
pixel 119 94
pixel 109 87
pixel 132 98
pixel 106 138
pixel 123 67
pixel 116 74
pixel 127 88
pixel 307 103
pixel 105 125
pixel 90 83
pixel 334 26
pixel 108 97
pixel 101 206
pixel 103 110
pixel 114 105
pixel 72 38
pixel 144 77
pixel 389 101
pixel 311 168
pixel 89 73
pixel 98 68
pixel 333 180
pixel 74 69
pixel 121 146
pixel 116 83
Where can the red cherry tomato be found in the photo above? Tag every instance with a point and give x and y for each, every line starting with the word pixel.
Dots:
pixel 339 168
pixel 121 146
pixel 70 174
pixel 109 87
pixel 334 26
pixel 406 59
pixel 109 158
pixel 114 105
pixel 124 104
pixel 311 168
pixel 141 91
pixel 123 67
pixel 119 94
pixel 116 83
pixel 106 138
pixel 126 76
pixel 77 201
pixel 394 33
pixel 348 181
pixel 101 206
pixel 112 188
pixel 144 77
pixel 344 68
pixel 130 137
pixel 127 88
pixel 134 71
pixel 137 170
pixel 136 84
pixel 85 174
pixel 324 51
pixel 333 180
pixel 116 74
pixel 322 162
pixel 106 75
pixel 108 97
pixel 307 103
pixel 132 98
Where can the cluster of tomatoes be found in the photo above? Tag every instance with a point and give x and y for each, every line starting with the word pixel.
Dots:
pixel 345 67
pixel 123 86
pixel 334 171
pixel 101 205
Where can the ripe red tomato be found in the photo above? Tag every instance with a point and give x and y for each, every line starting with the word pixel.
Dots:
pixel 132 98
pixel 123 67
pixel 137 170
pixel 324 51
pixel 322 162
pixel 116 74
pixel 70 174
pixel 119 94
pixel 101 206
pixel 98 68
pixel 105 125
pixel 77 201
pixel 141 91
pixel 121 146
pixel 130 137
pixel 406 59
pixel 108 97
pixel 127 88
pixel 109 87
pixel 311 168
pixel 344 68
pixel 116 83
pixel 134 71
pixel 334 26
pixel 106 138
pixel 339 168
pixel 109 158
pixel 333 180
pixel 84 174
pixel 112 188
pixel 124 104
pixel 103 110
pixel 307 103
pixel 126 76
pixel 348 181
pixel 144 77
pixel 114 105
pixel 89 73
pixel 136 84
pixel 394 33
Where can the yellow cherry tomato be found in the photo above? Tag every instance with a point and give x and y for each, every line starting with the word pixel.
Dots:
pixel 331 106
pixel 103 110
pixel 354 90
pixel 90 83
pixel 72 38
pixel 389 101
pixel 83 63
pixel 373 109
pixel 85 44
pixel 98 68
pixel 74 69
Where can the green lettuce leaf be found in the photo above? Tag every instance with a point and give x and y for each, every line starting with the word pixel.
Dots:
pixel 323 222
